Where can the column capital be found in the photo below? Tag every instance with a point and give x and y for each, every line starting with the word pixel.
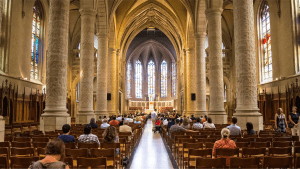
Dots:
pixel 200 35
pixel 213 11
pixel 86 12
pixel 186 51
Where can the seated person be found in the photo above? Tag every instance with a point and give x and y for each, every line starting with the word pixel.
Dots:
pixel 114 122
pixel 125 128
pixel 87 137
pixel 137 121
pixel 100 118
pixel 250 130
pixel 185 123
pixel 130 119
pixel 198 124
pixel 158 125
pixel 119 118
pixel 104 125
pixel 93 123
pixel 166 121
pixel 209 124
pixel 110 136
pixel 66 138
pixel 55 154
pixel 225 142
pixel 177 128
pixel 233 128
pixel 171 123
pixel 104 117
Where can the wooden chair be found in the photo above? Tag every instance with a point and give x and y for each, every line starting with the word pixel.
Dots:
pixel 91 162
pixel 20 144
pixel 280 151
pixel 199 136
pixel 297 162
pixel 22 162
pixel 278 162
pixel 282 139
pixel 266 139
pixel 192 133
pixel 3 162
pixel 266 135
pixel 180 144
pixel 248 140
pixel 296 143
pixel 70 145
pixel 227 152
pixel 210 162
pixel 249 152
pixel 188 146
pixel 242 145
pixel 244 162
pixel 76 152
pixel 41 152
pixel 250 136
pixel 39 144
pixel 209 145
pixel 69 161
pixel 22 151
pixel 8 138
pixel 193 153
pixel 260 144
pixel 88 145
pixel 40 139
pixel 282 144
pixel 207 140
pixel 22 139
pixel 109 154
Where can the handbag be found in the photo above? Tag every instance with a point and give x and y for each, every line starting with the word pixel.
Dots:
pixel 291 125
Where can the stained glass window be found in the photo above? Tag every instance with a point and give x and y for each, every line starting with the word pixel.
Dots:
pixel 265 33
pixel 151 78
pixel 96 44
pixel 129 67
pixel 223 50
pixel 164 75
pixel 77 92
pixel 174 77
pixel 79 50
pixel 35 40
pixel 138 79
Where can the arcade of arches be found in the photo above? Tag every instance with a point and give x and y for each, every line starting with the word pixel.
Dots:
pixel 64 61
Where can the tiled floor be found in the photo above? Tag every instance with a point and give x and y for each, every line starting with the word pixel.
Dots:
pixel 151 152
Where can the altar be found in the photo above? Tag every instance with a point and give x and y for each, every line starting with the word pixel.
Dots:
pixel 151 105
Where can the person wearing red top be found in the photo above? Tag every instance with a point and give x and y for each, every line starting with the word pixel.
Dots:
pixel 114 122
pixel 158 125
pixel 225 142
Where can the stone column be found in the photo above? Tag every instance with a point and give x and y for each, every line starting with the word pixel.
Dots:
pixel 200 74
pixel 101 106
pixel 188 73
pixel 245 61
pixel 112 82
pixel 85 111
pixel 55 114
pixel 216 83
pixel 178 87
pixel 2 121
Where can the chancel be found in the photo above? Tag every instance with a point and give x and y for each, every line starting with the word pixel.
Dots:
pixel 149 83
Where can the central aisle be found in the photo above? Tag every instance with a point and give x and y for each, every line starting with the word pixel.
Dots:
pixel 151 152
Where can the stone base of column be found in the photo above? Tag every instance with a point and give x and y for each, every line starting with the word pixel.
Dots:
pixel 54 121
pixel 255 118
pixel 84 117
pixel 101 113
pixel 218 117
pixel 2 129
pixel 200 113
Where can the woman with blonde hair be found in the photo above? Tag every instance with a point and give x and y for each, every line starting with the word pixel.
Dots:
pixel 280 121
pixel 185 123
pixel 225 142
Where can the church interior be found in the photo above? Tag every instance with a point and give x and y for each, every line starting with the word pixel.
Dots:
pixel 77 61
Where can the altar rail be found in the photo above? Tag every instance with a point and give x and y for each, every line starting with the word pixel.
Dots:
pixel 157 104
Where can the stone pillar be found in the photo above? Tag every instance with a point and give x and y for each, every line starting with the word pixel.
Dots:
pixel 2 129
pixel 55 114
pixel 189 77
pixel 200 74
pixel 178 86
pixel 101 106
pixel 112 82
pixel 85 111
pixel 216 112
pixel 245 61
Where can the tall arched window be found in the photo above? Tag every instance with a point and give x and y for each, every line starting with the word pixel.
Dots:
pixel 79 50
pixel 36 49
pixel 174 77
pixel 129 79
pixel 138 79
pixel 151 78
pixel 265 35
pixel 96 44
pixel 164 75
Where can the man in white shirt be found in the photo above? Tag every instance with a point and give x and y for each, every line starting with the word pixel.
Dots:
pixel 165 122
pixel 104 125
pixel 129 119
pixel 125 128
pixel 153 117
pixel 119 118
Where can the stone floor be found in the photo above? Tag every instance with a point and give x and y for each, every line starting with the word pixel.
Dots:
pixel 151 152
